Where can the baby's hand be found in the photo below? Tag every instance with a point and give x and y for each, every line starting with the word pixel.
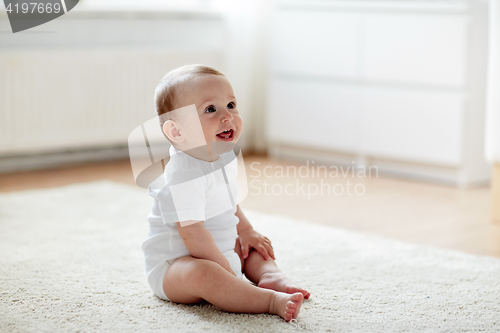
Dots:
pixel 250 238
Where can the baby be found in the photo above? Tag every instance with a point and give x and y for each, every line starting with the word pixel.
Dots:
pixel 199 241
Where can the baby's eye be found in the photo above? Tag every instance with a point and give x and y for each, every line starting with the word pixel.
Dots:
pixel 231 105
pixel 210 109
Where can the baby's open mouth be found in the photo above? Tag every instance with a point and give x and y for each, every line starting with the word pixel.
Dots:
pixel 226 135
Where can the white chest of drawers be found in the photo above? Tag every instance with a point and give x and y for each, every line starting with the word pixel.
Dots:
pixel 397 85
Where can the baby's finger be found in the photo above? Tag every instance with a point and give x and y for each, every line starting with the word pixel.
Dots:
pixel 270 251
pixel 268 242
pixel 263 251
pixel 244 251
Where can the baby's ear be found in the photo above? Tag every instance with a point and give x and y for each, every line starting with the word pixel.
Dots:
pixel 172 131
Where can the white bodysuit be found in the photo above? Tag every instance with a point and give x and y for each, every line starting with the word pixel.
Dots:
pixel 190 189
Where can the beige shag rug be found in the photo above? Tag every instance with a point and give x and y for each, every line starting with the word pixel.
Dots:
pixel 71 262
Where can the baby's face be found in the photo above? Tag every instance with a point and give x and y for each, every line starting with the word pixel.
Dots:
pixel 216 107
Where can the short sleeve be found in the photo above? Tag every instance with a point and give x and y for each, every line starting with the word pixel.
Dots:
pixel 184 197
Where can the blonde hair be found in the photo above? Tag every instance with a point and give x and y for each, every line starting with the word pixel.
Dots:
pixel 165 93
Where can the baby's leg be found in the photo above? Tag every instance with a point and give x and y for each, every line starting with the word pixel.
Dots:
pixel 189 280
pixel 266 274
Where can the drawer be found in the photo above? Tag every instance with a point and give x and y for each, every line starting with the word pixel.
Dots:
pixel 414 126
pixel 413 48
pixel 313 114
pixel 314 43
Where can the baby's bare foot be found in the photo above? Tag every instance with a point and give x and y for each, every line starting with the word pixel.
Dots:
pixel 279 282
pixel 285 305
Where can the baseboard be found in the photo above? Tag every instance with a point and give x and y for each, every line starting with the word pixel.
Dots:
pixel 23 162
pixel 445 175
pixel 67 157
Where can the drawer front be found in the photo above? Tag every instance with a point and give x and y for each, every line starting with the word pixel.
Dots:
pixel 414 126
pixel 312 114
pixel 423 49
pixel 409 48
pixel 423 127
pixel 315 43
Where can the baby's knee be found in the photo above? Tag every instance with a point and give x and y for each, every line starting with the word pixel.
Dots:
pixel 201 269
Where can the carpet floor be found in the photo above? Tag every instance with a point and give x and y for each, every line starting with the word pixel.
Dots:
pixel 70 261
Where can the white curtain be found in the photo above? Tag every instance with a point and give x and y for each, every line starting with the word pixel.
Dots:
pixel 246 52
pixel 493 94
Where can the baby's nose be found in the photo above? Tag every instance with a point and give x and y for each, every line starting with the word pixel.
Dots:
pixel 226 116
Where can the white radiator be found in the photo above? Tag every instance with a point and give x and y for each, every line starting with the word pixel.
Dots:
pixel 74 98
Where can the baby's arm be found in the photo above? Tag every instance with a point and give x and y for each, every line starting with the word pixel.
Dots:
pixel 250 238
pixel 200 243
